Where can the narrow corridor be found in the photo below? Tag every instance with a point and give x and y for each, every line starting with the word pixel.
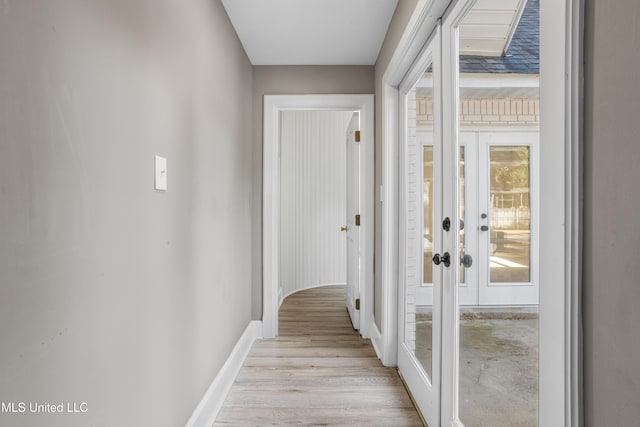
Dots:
pixel 319 371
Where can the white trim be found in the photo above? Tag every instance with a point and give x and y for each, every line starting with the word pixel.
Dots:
pixel 376 340
pixel 561 84
pixel 450 205
pixel 514 25
pixel 575 102
pixel 498 81
pixel 273 105
pixel 207 410
pixel 389 220
pixel 490 81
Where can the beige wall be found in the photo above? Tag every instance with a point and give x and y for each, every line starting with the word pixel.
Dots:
pixel 399 22
pixel 111 293
pixel 612 206
pixel 286 80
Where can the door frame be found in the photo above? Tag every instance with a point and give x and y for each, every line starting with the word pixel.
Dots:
pixel 273 106
pixel 561 90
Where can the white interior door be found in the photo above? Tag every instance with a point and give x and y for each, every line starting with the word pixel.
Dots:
pixel 353 222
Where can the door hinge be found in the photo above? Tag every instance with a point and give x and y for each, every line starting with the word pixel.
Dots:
pixel 357 136
pixel 358 304
pixel 358 219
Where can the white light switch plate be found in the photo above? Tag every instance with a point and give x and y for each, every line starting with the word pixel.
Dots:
pixel 161 173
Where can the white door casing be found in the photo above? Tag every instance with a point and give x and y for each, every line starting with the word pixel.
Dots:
pixel 353 229
pixel 273 105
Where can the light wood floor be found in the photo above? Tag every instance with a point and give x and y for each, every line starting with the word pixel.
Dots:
pixel 317 372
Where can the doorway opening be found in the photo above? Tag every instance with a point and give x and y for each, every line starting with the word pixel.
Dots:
pixel 319 202
pixel 283 114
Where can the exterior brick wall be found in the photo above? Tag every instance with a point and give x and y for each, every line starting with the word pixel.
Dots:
pixel 487 112
pixel 413 198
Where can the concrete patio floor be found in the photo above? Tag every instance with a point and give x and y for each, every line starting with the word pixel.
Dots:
pixel 498 367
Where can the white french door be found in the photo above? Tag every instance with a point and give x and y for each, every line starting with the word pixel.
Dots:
pixel 419 321
pixel 499 211
pixel 471 346
pixel 499 218
pixel 468 327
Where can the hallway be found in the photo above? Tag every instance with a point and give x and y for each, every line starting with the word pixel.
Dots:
pixel 317 372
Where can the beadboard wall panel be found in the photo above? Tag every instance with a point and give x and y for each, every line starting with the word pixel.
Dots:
pixel 313 199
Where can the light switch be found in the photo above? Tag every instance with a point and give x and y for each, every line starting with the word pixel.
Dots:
pixel 161 173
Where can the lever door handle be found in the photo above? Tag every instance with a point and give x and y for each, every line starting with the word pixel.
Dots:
pixel 444 259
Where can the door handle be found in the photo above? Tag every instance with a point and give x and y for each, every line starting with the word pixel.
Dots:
pixel 345 228
pixel 444 259
pixel 466 260
pixel 484 228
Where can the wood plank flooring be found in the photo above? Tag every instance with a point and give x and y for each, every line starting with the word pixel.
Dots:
pixel 317 372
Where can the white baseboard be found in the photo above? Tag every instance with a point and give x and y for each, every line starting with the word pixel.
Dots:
pixel 207 410
pixel 376 340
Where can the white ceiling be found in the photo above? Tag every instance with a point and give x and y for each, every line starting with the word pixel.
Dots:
pixel 311 32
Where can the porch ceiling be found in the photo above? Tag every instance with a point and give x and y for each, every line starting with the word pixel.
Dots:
pixel 489 26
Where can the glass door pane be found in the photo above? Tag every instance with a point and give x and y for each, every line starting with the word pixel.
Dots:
pixel 427 213
pixel 420 212
pixel 497 332
pixel 507 236
pixel 461 213
pixel 424 316
pixel 510 213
